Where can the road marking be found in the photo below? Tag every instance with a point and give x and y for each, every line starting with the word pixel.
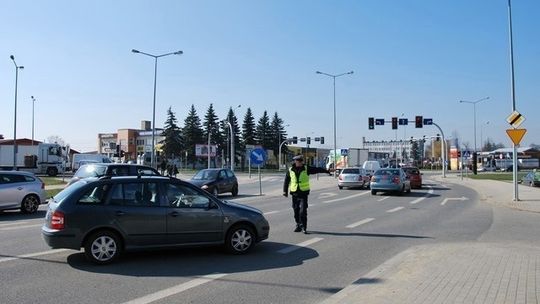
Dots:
pixel 13 224
pixel 362 222
pixel 418 200
pixel 31 255
pixel 271 212
pixel 463 198
pixel 382 199
pixel 345 198
pixel 326 195
pixel 395 209
pixel 19 227
pixel 176 289
pixel 301 245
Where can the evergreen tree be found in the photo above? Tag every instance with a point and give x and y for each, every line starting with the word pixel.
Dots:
pixel 263 133
pixel 172 143
pixel 248 129
pixel 211 126
pixel 278 135
pixel 192 134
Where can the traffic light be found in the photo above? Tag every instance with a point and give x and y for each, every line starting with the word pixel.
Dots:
pixel 458 154
pixel 394 123
pixel 437 138
pixel 295 140
pixel 308 140
pixel 371 123
pixel 419 121
pixel 117 154
pixel 322 140
pixel 122 153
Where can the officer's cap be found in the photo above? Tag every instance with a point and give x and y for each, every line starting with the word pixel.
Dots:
pixel 298 157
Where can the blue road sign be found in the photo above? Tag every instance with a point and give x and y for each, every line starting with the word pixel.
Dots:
pixel 403 121
pixel 428 121
pixel 257 156
pixel 466 154
pixel 379 122
pixel 344 152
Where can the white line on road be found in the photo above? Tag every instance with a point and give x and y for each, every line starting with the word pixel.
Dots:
pixel 20 227
pixel 418 200
pixel 345 198
pixel 301 245
pixel 32 255
pixel 176 289
pixel 382 199
pixel 362 222
pixel 13 224
pixel 395 209
pixel 271 212
pixel 326 195
pixel 463 198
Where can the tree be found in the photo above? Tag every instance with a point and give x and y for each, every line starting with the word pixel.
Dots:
pixel 211 126
pixel 192 134
pixel 248 133
pixel 55 139
pixel 278 134
pixel 263 135
pixel 172 143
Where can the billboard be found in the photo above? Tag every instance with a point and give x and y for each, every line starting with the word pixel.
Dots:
pixel 202 150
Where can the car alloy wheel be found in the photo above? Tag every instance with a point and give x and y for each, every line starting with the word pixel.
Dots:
pixel 102 247
pixel 240 239
pixel 30 204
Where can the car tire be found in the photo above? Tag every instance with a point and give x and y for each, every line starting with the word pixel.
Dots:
pixel 103 247
pixel 30 204
pixel 234 191
pixel 52 171
pixel 240 239
pixel 531 183
pixel 215 191
pixel 409 189
pixel 373 192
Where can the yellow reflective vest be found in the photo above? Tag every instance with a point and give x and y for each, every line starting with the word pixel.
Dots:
pixel 302 181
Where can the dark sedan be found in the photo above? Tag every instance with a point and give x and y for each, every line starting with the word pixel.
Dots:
pixel 216 181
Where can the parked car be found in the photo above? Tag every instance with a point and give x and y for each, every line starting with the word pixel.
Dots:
pixel 531 179
pixel 110 169
pixel 390 179
pixel 109 215
pixel 414 175
pixel 353 177
pixel 21 190
pixel 216 181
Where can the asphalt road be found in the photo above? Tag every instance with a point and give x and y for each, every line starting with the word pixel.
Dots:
pixel 351 232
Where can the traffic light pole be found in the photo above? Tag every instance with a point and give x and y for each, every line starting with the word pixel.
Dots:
pixel 443 150
pixel 281 145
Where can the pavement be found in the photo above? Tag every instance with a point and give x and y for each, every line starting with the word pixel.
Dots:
pixel 466 272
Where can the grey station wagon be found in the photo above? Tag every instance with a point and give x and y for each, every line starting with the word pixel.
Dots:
pixel 109 215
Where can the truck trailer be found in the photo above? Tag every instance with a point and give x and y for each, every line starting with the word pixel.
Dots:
pixel 39 159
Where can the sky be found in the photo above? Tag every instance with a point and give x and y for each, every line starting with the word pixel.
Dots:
pixel 409 57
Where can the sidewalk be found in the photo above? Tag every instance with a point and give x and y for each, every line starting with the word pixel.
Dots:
pixel 468 272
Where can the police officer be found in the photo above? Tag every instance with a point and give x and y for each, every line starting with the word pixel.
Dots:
pixel 297 184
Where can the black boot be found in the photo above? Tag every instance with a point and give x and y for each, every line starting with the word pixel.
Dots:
pixel 304 229
pixel 298 228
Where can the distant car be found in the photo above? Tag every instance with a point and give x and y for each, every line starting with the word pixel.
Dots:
pixel 110 169
pixel 414 175
pixel 216 181
pixel 531 179
pixel 21 190
pixel 353 177
pixel 510 168
pixel 107 216
pixel 390 179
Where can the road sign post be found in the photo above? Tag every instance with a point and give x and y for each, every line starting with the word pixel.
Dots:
pixel 258 157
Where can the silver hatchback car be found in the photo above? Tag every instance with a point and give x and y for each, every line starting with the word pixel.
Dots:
pixel 21 190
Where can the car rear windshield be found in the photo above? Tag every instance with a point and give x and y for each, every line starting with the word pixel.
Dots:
pixel 91 171
pixel 350 171
pixel 412 171
pixel 387 172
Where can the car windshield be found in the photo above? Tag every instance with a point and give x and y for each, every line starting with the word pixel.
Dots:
pixel 91 171
pixel 205 175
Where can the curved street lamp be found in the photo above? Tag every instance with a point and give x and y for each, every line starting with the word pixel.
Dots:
pixel 153 157
pixel 17 68
pixel 474 111
pixel 335 132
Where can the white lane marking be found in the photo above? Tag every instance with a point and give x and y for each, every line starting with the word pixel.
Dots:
pixel 271 212
pixel 362 222
pixel 418 200
pixel 395 209
pixel 326 195
pixel 382 199
pixel 463 198
pixel 20 227
pixel 31 255
pixel 13 224
pixel 345 198
pixel 298 246
pixel 176 289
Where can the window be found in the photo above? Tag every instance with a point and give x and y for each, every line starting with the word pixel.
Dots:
pixel 120 171
pixel 222 174
pixel 184 197
pixel 135 194
pixel 230 173
pixel 95 195
pixel 145 171
pixel 12 178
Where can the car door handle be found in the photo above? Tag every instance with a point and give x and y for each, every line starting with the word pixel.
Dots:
pixel 120 213
pixel 19 188
pixel 174 214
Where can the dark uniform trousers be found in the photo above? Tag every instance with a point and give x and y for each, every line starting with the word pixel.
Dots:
pixel 300 205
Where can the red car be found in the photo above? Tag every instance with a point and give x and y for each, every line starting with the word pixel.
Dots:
pixel 414 176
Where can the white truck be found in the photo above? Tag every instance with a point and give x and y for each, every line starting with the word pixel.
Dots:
pixel 345 158
pixel 81 158
pixel 39 159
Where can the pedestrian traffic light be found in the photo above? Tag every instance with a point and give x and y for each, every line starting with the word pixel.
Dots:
pixel 419 121
pixel 438 138
pixel 308 140
pixel 371 123
pixel 394 123
pixel 295 140
pixel 322 140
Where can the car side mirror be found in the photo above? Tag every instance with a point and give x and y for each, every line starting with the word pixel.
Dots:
pixel 212 205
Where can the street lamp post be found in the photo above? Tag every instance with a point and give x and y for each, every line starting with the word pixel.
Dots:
pixel 232 145
pixel 335 132
pixel 17 68
pixel 153 157
pixel 33 101
pixel 481 136
pixel 474 113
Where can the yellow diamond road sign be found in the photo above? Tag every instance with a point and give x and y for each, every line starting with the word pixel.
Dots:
pixel 515 119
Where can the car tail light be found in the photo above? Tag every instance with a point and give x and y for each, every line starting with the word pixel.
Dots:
pixel 57 220
pixel 373 178
pixel 396 180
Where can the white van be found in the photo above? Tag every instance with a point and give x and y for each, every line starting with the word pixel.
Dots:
pixel 371 166
pixel 82 157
